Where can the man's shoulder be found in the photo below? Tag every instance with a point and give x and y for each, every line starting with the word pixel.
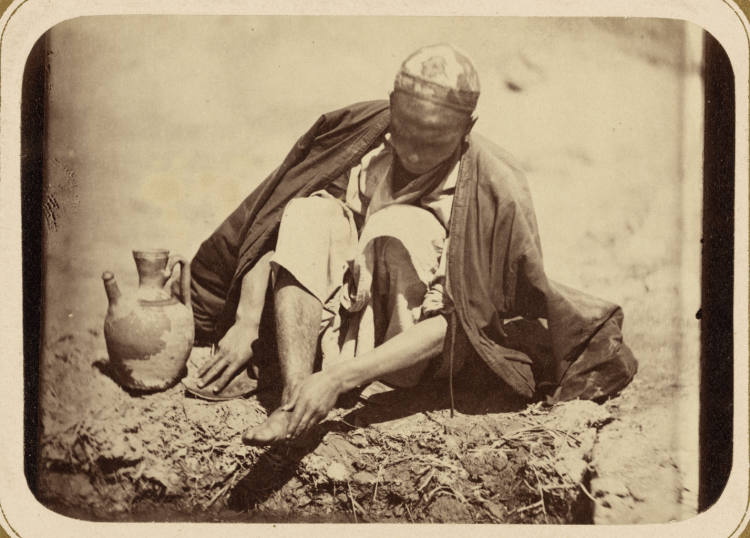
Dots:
pixel 496 167
pixel 491 156
pixel 357 112
pixel 499 173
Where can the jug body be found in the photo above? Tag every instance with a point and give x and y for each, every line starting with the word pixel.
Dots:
pixel 149 334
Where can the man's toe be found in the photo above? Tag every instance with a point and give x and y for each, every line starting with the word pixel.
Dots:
pixel 270 432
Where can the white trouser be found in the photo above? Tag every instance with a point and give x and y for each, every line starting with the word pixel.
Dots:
pixel 380 278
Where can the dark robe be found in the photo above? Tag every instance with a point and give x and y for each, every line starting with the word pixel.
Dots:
pixel 495 274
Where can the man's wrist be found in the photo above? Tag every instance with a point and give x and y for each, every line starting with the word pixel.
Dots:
pixel 341 378
pixel 248 328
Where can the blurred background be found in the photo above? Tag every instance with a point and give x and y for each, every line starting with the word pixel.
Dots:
pixel 156 128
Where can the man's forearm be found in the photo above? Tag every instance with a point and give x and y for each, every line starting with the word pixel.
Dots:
pixel 235 348
pixel 419 343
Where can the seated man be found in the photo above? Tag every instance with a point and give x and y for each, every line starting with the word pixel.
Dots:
pixel 402 245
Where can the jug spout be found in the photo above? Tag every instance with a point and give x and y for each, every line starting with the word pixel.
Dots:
pixel 110 286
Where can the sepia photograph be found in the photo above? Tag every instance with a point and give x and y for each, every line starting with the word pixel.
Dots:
pixel 345 269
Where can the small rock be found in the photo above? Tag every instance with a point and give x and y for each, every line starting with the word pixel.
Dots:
pixel 577 416
pixel 478 435
pixel 324 498
pixel 363 478
pixel 482 463
pixel 500 461
pixel 445 479
pixel 572 466
pixel 294 484
pixel 452 445
pixel 458 426
pixel 511 427
pixel 358 439
pixel 446 509
pixel 587 439
pixel 337 472
pixel 495 510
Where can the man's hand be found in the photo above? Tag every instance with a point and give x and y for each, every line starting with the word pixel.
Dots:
pixel 311 401
pixel 234 352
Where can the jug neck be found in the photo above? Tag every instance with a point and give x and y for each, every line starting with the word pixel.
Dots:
pixel 151 267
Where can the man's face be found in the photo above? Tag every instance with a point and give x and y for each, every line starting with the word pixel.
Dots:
pixel 424 134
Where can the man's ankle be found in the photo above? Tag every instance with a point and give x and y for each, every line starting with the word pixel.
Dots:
pixel 290 387
pixel 287 393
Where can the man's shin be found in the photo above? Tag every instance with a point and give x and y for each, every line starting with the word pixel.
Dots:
pixel 298 314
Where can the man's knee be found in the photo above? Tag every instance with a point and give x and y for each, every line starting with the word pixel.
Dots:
pixel 406 230
pixel 312 211
pixel 413 251
pixel 393 253
pixel 314 240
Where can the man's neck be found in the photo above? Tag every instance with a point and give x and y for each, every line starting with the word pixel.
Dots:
pixel 401 176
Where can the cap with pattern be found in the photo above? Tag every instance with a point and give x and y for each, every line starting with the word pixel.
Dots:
pixel 441 74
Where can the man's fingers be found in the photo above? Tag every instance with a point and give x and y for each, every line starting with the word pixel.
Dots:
pixel 216 368
pixel 301 427
pixel 308 421
pixel 305 424
pixel 297 416
pixel 228 374
pixel 203 369
pixel 210 363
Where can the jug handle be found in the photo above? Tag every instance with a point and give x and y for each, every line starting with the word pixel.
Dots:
pixel 184 276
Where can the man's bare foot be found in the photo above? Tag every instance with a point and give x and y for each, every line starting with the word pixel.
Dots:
pixel 271 431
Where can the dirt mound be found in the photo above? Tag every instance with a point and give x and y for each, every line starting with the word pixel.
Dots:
pixel 527 467
pixel 109 453
pixel 130 447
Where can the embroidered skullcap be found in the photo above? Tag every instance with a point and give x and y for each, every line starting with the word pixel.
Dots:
pixel 441 74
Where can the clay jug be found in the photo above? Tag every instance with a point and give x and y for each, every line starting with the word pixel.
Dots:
pixel 150 334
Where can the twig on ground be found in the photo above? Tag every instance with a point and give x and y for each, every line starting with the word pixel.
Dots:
pixel 436 421
pixel 430 459
pixel 139 471
pixel 358 506
pixel 409 512
pixel 426 480
pixel 351 498
pixel 427 498
pixel 587 493
pixel 529 507
pixel 565 440
pixel 375 492
pixel 541 496
pixel 492 516
pixel 489 507
pixel 532 423
pixel 215 498
pixel 458 495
